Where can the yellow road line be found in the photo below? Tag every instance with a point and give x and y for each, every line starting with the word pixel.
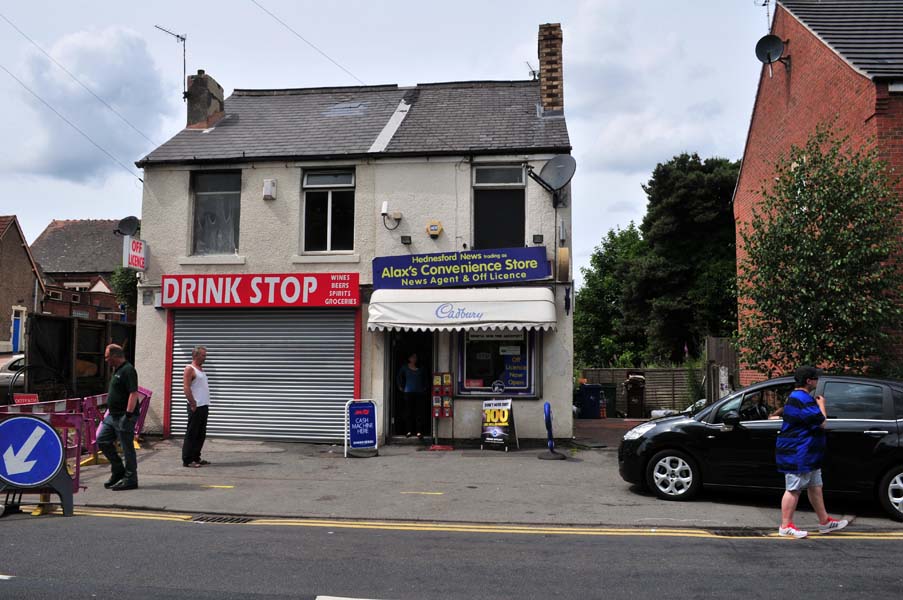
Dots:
pixel 219 487
pixel 489 528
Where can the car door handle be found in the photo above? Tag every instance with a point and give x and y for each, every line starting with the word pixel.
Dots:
pixel 876 432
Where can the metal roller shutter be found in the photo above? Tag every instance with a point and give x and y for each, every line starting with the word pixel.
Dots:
pixel 274 374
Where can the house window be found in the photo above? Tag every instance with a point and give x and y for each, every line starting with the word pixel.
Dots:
pixel 217 199
pixel 54 295
pixel 328 211
pixel 496 362
pixel 76 298
pixel 499 211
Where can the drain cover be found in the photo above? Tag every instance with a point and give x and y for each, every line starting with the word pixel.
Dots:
pixel 220 519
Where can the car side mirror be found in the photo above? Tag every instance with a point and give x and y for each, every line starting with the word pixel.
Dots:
pixel 731 418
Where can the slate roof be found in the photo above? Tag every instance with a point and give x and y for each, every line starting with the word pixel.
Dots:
pixel 6 225
pixel 866 33
pixel 79 246
pixel 476 117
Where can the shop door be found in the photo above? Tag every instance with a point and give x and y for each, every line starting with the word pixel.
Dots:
pixel 403 344
pixel 274 374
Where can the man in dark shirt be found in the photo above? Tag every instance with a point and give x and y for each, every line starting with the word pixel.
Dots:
pixel 119 424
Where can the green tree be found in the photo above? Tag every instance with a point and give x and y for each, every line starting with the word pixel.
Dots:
pixel 821 280
pixel 684 287
pixel 125 287
pixel 599 337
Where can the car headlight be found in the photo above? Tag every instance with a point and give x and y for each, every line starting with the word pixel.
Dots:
pixel 638 431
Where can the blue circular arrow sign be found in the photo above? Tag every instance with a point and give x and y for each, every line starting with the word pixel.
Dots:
pixel 31 452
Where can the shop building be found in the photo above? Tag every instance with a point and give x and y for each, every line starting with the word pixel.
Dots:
pixel 312 239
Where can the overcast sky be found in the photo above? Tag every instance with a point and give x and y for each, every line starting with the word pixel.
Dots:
pixel 644 80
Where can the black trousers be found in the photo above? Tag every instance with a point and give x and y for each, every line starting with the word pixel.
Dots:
pixel 195 435
pixel 415 413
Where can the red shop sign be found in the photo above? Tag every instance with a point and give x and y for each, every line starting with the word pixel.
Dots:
pixel 261 290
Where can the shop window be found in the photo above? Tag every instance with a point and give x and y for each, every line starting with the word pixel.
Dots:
pixel 496 362
pixel 499 211
pixel 328 211
pixel 217 200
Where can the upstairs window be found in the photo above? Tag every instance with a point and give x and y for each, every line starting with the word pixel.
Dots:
pixel 499 211
pixel 328 211
pixel 217 201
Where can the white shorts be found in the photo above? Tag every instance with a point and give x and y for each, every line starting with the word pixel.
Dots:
pixel 794 482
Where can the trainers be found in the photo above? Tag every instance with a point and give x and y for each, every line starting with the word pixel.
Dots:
pixel 792 531
pixel 832 525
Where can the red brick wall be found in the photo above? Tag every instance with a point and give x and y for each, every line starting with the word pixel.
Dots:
pixel 818 88
pixel 17 280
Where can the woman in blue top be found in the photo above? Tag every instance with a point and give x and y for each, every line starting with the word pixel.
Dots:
pixel 414 411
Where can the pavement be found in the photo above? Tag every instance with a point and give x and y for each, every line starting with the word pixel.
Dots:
pixel 409 482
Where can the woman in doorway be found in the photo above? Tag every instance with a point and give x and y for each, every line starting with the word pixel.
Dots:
pixel 411 381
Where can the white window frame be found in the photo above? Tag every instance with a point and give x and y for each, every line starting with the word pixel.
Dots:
pixel 55 295
pixel 521 184
pixel 329 189
pixel 76 299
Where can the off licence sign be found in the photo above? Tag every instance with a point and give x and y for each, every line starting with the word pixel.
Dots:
pixel 261 290
pixel 134 255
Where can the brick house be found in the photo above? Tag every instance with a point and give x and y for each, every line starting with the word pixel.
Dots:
pixel 22 288
pixel 314 239
pixel 77 258
pixel 846 67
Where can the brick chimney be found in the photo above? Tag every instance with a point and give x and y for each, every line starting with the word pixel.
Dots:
pixel 205 101
pixel 551 80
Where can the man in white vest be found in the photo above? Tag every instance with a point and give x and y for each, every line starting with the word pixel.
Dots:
pixel 197 392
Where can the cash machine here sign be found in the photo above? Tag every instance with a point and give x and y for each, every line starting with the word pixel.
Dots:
pixel 261 290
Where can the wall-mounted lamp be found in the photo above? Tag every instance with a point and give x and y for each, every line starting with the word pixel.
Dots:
pixel 269 189
pixel 406 240
pixel 537 238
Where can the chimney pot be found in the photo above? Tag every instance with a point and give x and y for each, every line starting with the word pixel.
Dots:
pixel 206 104
pixel 551 81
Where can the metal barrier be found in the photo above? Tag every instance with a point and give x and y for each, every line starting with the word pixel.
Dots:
pixel 78 421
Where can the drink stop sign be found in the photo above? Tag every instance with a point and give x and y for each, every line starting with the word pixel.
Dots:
pixel 31 452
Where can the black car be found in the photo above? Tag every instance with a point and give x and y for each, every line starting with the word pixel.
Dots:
pixel 732 442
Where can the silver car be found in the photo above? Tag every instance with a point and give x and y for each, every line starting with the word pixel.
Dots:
pixel 9 365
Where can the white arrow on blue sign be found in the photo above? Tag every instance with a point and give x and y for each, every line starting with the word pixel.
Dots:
pixel 32 452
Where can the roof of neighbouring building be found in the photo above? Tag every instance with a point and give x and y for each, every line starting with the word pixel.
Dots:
pixel 866 33
pixel 79 246
pixel 475 117
pixel 5 222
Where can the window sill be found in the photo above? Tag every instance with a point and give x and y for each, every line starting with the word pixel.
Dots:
pixel 212 259
pixel 325 258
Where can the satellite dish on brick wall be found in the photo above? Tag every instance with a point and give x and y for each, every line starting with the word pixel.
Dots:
pixel 769 50
pixel 128 226
pixel 555 175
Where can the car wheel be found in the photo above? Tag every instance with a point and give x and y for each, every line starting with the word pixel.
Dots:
pixel 672 475
pixel 890 493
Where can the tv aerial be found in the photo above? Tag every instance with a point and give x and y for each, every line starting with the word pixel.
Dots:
pixel 128 226
pixel 769 50
pixel 555 175
pixel 180 38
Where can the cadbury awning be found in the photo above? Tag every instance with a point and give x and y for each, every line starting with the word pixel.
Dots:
pixel 464 309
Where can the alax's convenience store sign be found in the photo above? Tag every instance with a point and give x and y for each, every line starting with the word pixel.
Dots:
pixel 468 268
pixel 265 290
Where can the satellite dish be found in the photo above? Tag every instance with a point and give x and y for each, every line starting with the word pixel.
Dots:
pixel 128 226
pixel 558 172
pixel 769 50
pixel 555 175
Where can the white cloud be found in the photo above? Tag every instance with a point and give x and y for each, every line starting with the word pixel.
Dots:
pixel 115 64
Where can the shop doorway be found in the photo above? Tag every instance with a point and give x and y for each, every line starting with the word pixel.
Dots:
pixel 407 413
